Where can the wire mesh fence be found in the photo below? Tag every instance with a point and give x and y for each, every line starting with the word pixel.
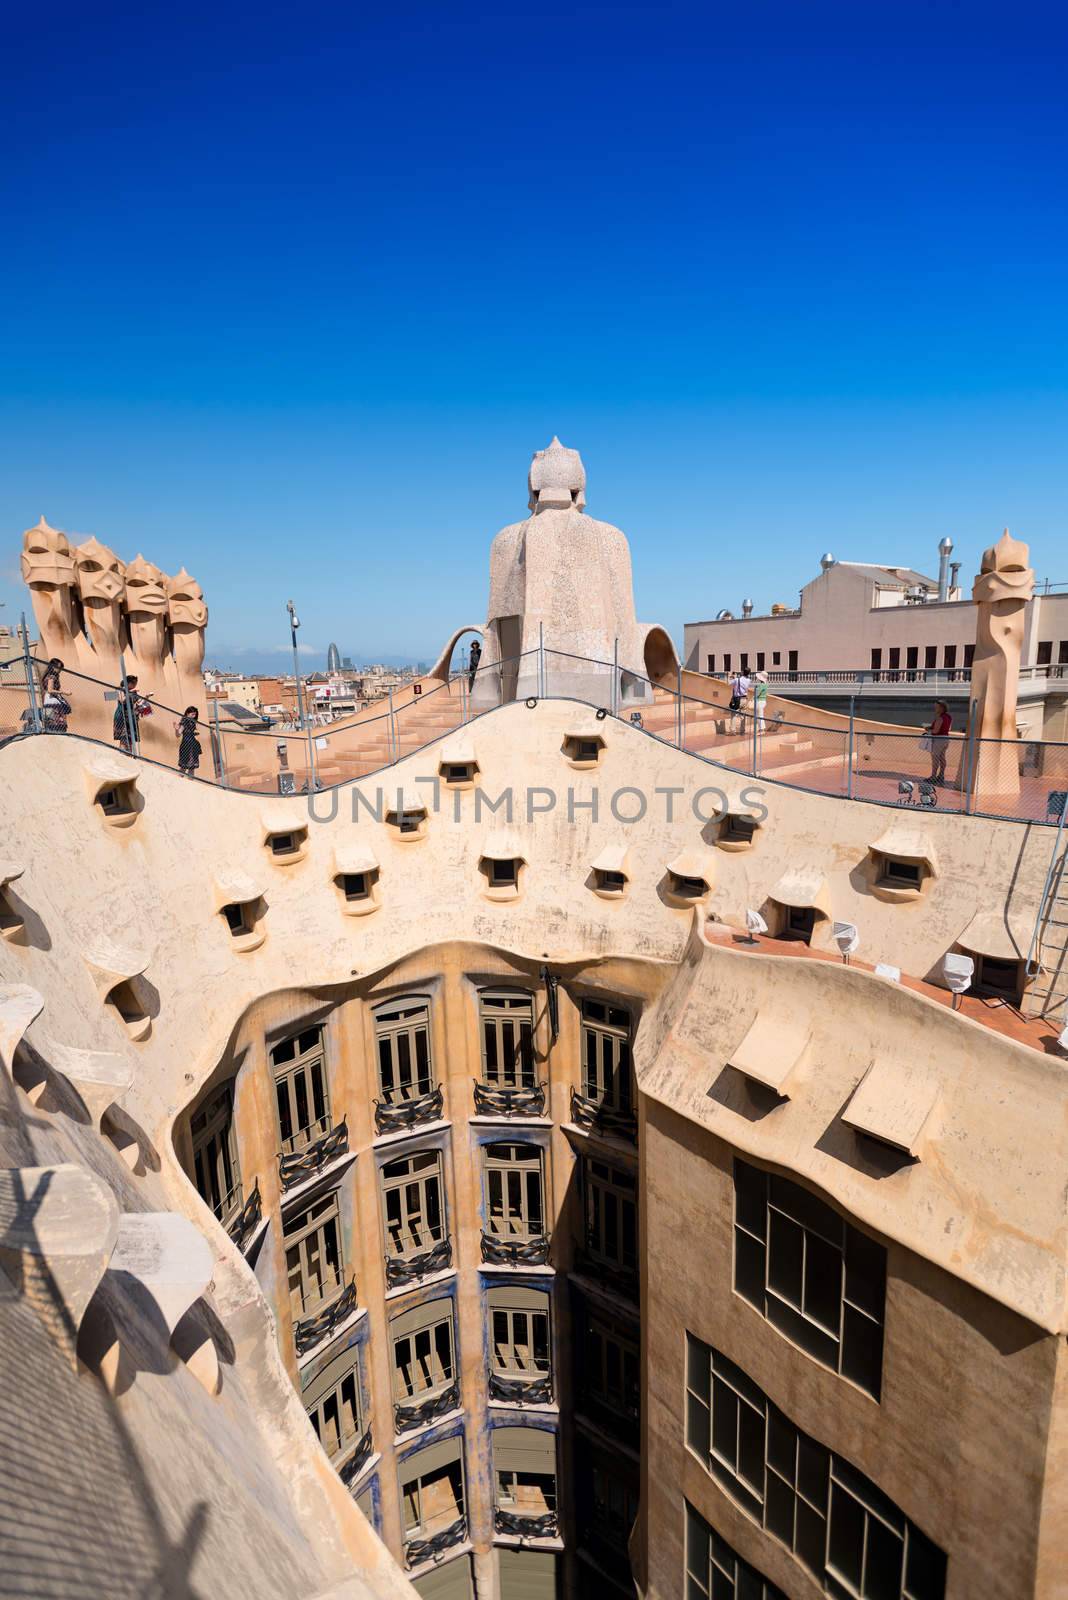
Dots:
pixel 1026 780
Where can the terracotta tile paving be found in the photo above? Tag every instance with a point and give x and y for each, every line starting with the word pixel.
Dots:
pixel 1036 1032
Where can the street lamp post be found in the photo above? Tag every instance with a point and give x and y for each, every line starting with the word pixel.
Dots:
pixel 294 624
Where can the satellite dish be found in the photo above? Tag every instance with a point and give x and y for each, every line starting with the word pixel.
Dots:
pixel 884 970
pixel 847 938
pixel 957 971
pixel 755 924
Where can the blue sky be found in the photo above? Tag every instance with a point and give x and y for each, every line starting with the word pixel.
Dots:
pixel 290 294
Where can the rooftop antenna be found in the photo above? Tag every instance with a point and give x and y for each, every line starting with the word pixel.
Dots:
pixel 957 971
pixel 847 938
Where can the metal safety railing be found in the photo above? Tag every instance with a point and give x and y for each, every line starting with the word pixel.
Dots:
pixel 849 756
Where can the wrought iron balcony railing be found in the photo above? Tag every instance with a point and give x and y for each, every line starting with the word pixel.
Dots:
pixel 499 1100
pixel 419 1550
pixel 393 1116
pixel 310 1330
pixel 414 1413
pixel 622 1276
pixel 351 1469
pixel 532 1252
pixel 601 1118
pixel 536 1391
pixel 244 1225
pixel 546 1526
pixel 407 1269
pixel 299 1164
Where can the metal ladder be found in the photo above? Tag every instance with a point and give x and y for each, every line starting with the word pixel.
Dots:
pixel 1048 955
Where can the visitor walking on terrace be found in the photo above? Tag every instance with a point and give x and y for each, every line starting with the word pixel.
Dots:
pixel 739 691
pixel 129 710
pixel 938 738
pixel 760 699
pixel 189 751
pixel 472 664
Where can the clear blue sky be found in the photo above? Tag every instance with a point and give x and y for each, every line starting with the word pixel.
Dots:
pixel 290 294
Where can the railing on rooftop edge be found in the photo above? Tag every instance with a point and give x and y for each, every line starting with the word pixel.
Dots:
pixel 1020 780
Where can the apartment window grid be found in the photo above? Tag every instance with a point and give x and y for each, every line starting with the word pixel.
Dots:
pixel 714 1572
pixel 608 1077
pixel 336 1415
pixel 414 1211
pixel 302 1096
pixel 839 1525
pixel 402 1033
pixel 507 1021
pixel 611 1216
pixel 423 1361
pixel 514 1191
pixel 314 1260
pixel 612 1368
pixel 520 1340
pixel 215 1163
pixel 814 1276
pixel 432 1496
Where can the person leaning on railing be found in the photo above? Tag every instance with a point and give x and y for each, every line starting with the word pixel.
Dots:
pixel 130 709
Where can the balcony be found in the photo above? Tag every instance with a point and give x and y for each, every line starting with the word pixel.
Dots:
pixel 409 1269
pixel 309 1330
pixel 600 1118
pixel 397 1115
pixel 532 1252
pixel 350 1470
pixel 417 1551
pixel 546 1526
pixel 495 1100
pixel 243 1226
pixel 621 1276
pixel 416 1413
pixel 296 1165
pixel 522 1391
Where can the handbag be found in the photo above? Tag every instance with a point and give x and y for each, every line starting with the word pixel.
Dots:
pixel 925 742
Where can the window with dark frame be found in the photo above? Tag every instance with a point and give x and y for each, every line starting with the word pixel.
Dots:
pixel 414 1210
pixel 402 1037
pixel 902 874
pixel 514 1191
pixel 314 1260
pixel 607 1076
pixel 333 1404
pixel 611 1215
pixel 839 1525
pixel 611 1365
pixel 1045 652
pixel 519 1332
pixel 507 1028
pixel 423 1346
pixel 815 1277
pixel 432 1490
pixel 949 656
pixel 215 1163
pixel 302 1099
pixel 714 1572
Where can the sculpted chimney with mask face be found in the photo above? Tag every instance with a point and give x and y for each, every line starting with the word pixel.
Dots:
pixel 1001 591
pixel 565 577
pixel 48 571
pixel 101 579
pixel 187 620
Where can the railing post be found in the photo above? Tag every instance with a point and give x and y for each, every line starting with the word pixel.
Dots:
pixel 392 730
pixel 31 681
pixel 541 661
pixel 614 702
pixel 849 774
pixel 220 758
pixel 756 764
pixel 969 755
pixel 678 707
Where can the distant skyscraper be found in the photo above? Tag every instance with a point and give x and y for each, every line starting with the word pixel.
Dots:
pixel 346 663
pixel 333 659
